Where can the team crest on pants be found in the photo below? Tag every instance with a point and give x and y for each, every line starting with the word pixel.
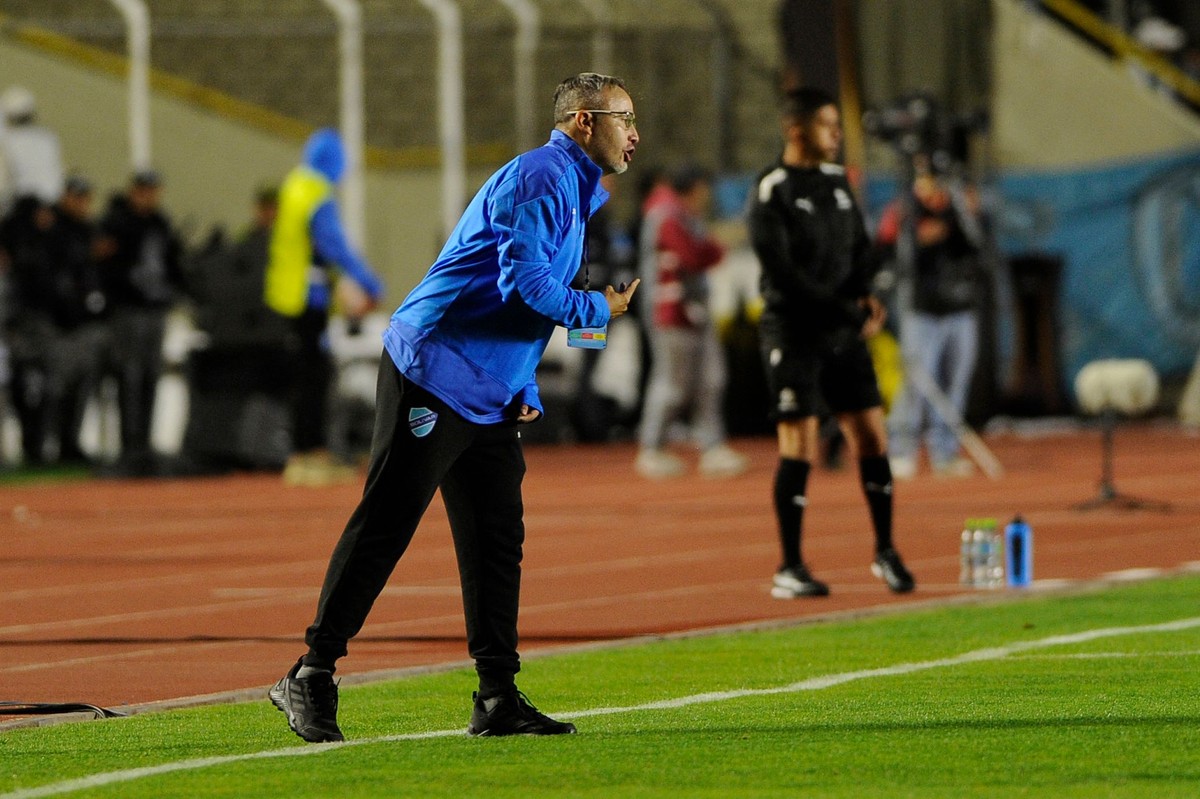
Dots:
pixel 421 421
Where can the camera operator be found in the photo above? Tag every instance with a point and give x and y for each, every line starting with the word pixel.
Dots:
pixel 937 236
pixel 934 232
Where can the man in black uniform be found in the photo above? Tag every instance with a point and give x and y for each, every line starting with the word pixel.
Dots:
pixel 817 263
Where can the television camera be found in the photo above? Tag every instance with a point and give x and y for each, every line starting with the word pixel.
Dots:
pixel 917 125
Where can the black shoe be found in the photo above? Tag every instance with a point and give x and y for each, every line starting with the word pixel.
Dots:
pixel 794 581
pixel 889 568
pixel 512 714
pixel 310 704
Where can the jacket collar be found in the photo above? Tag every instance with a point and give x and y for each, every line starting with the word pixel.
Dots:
pixel 589 172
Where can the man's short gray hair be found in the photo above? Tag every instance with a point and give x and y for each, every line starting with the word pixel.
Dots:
pixel 585 90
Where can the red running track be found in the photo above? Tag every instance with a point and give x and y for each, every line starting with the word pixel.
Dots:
pixel 127 592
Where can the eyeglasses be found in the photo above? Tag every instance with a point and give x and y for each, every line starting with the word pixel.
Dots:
pixel 628 119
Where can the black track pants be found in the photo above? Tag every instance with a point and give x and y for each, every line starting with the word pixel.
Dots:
pixel 479 469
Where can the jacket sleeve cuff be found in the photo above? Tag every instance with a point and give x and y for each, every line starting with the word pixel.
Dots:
pixel 531 397
pixel 601 305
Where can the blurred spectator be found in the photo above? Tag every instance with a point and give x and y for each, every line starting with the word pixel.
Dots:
pixel 651 178
pixel 687 362
pixel 226 278
pixel 30 166
pixel 264 213
pixel 239 379
pixel 1156 28
pixel 82 340
pixel 937 237
pixel 142 277
pixel 252 251
pixel 52 324
pixel 307 244
pixel 26 236
pixel 30 154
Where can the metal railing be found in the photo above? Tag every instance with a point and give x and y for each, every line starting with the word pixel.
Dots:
pixel 1120 45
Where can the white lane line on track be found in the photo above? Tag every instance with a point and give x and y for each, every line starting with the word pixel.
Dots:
pixel 811 684
pixel 284 596
pixel 104 583
pixel 182 611
pixel 135 654
pixel 234 598
pixel 231 574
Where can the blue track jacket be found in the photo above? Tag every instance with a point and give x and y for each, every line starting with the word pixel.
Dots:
pixel 473 330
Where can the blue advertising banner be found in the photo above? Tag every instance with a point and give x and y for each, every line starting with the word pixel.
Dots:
pixel 1129 239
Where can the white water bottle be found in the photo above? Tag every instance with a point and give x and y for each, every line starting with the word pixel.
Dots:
pixel 966 561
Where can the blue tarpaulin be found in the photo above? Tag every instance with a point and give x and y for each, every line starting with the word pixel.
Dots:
pixel 1129 238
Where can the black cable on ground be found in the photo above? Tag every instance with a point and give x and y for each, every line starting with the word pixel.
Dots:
pixel 53 708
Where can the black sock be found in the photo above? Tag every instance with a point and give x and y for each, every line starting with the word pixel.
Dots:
pixel 495 683
pixel 791 481
pixel 304 672
pixel 314 661
pixel 876 475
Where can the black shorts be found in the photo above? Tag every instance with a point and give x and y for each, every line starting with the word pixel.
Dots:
pixel 810 375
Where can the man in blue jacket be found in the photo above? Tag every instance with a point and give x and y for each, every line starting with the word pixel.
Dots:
pixel 458 381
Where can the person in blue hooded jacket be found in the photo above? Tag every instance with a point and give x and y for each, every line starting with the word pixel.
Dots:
pixel 457 381
pixel 310 255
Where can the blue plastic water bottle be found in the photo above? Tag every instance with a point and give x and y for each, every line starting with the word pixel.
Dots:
pixel 1018 553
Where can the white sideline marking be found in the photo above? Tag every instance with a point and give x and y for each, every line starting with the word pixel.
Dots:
pixel 1112 655
pixel 811 684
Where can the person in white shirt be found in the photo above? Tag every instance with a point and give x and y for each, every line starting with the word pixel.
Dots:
pixel 30 154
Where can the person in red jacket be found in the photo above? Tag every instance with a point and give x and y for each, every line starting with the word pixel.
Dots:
pixel 687 364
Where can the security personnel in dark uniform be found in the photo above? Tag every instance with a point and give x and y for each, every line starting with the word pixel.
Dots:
pixel 817 263
pixel 141 263
pixel 27 256
pixel 81 345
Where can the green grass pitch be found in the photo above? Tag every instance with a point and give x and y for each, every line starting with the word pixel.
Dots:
pixel 1085 694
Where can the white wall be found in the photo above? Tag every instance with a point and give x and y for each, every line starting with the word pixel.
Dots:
pixel 1057 102
pixel 212 165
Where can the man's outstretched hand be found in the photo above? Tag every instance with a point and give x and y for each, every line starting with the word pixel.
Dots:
pixel 618 298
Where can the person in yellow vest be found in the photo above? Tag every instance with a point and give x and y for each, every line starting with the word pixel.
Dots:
pixel 311 262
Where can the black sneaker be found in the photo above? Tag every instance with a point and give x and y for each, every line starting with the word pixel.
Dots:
pixel 512 714
pixel 889 568
pixel 310 704
pixel 794 581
